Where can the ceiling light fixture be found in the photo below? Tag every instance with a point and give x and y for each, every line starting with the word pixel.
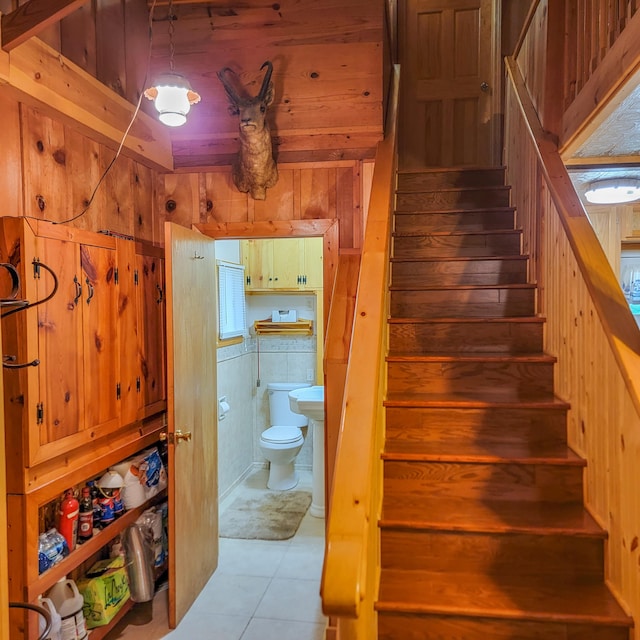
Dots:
pixel 172 94
pixel 613 191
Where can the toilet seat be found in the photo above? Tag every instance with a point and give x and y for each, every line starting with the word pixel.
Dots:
pixel 281 435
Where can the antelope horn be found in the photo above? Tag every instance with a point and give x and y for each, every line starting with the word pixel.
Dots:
pixel 233 96
pixel 267 79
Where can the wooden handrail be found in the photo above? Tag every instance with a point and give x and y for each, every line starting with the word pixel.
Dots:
pixel 607 296
pixel 351 560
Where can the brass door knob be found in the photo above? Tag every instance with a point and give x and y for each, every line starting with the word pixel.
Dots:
pixel 172 438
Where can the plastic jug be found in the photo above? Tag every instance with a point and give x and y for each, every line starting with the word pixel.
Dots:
pixel 68 602
pixel 56 622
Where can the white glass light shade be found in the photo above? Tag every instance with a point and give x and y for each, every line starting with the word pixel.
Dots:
pixel 614 191
pixel 173 97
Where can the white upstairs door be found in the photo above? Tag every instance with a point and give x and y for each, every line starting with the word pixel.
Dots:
pixel 192 415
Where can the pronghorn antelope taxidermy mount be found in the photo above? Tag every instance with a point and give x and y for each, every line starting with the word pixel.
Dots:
pixel 254 169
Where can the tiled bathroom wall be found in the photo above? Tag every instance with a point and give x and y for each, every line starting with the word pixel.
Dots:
pixel 244 370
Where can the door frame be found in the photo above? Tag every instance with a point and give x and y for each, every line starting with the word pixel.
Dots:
pixel 326 228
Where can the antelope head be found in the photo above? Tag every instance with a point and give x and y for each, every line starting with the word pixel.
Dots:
pixel 254 169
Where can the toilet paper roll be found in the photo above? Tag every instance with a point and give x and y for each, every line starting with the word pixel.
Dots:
pixel 223 409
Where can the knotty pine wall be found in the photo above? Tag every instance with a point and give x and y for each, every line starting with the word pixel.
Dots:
pixel 50 171
pixel 603 422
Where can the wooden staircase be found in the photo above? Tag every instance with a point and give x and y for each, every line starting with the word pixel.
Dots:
pixel 484 535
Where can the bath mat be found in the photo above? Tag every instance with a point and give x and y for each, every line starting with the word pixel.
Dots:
pixel 273 515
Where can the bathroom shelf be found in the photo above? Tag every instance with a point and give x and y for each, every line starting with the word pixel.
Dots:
pixel 267 327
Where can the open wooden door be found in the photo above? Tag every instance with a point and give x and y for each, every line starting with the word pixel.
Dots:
pixel 192 409
pixel 450 101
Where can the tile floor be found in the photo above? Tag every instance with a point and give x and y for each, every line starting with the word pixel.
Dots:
pixel 262 590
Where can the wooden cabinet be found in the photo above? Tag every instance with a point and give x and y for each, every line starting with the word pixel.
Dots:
pixel 84 374
pixel 282 263
pixel 92 356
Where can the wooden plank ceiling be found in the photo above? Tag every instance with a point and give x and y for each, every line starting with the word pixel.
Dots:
pixel 327 59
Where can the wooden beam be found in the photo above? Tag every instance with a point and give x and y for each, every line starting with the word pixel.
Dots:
pixel 32 17
pixel 41 77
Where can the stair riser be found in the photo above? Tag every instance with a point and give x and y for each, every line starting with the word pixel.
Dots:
pixel 482 220
pixel 486 482
pixel 398 626
pixel 453 199
pixel 527 378
pixel 448 426
pixel 454 246
pixel 452 337
pixel 447 179
pixel 552 557
pixel 435 273
pixel 463 303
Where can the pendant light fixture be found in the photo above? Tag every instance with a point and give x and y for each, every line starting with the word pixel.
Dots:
pixel 172 94
pixel 613 191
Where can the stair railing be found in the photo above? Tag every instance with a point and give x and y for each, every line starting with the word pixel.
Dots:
pixel 589 327
pixel 352 559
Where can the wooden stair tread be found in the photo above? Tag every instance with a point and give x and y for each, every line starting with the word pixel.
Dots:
pixel 488 188
pixel 411 512
pixel 462 287
pixel 498 597
pixel 468 320
pixel 402 259
pixel 456 232
pixel 496 398
pixel 453 210
pixel 485 356
pixel 479 451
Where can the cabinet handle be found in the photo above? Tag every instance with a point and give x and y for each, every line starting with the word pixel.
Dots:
pixel 9 362
pixel 90 287
pixel 78 290
pixel 160 294
pixel 173 438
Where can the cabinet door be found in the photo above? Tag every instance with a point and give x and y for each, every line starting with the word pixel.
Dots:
pixel 151 335
pixel 59 323
pixel 313 265
pixel 100 337
pixel 126 286
pixel 288 263
pixel 257 256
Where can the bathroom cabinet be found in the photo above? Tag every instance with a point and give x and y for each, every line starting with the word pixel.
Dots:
pixel 291 264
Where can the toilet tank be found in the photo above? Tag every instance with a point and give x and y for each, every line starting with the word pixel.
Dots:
pixel 280 413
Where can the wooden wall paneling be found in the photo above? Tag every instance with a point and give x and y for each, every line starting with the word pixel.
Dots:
pixel 11 179
pixel 366 177
pixel 227 203
pixel 279 204
pixel 110 45
pixel 45 174
pixel 177 200
pixel 80 157
pixel 143 185
pixel 116 212
pixel 604 422
pixel 348 209
pixel 136 47
pixel 317 193
pixel 78 37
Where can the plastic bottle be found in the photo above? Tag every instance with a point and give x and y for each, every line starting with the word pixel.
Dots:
pixel 68 603
pixel 97 510
pixel 68 525
pixel 85 518
pixel 56 621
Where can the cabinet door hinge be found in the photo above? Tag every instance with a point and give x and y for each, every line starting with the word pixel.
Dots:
pixel 39 413
pixel 36 267
pixel 115 276
pixel 248 279
pixel 118 391
pixel 138 384
pixel 135 277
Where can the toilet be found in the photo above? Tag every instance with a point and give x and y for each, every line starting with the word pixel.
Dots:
pixel 282 441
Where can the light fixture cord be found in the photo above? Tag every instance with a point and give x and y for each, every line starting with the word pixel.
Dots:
pixel 172 48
